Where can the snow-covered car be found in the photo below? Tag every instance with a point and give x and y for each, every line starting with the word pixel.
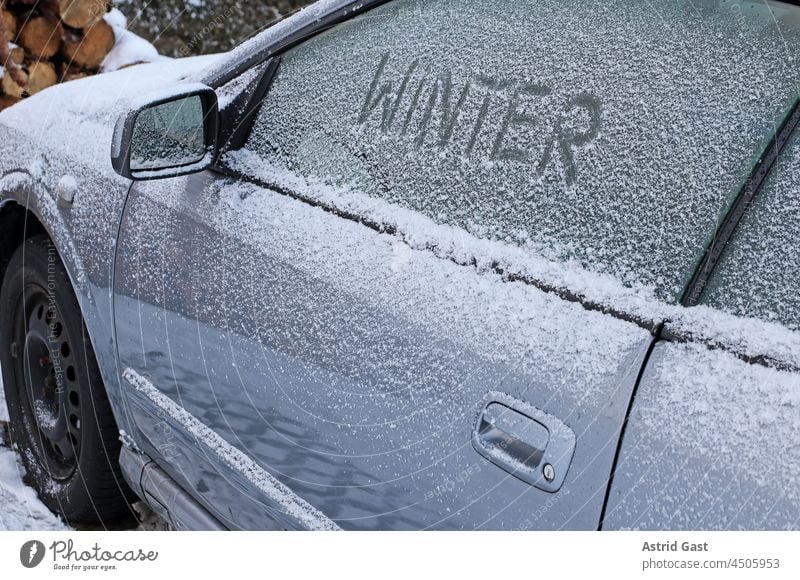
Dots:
pixel 418 264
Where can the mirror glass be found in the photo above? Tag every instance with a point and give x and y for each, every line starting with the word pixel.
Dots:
pixel 168 135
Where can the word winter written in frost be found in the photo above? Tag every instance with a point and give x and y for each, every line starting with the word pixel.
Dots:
pixel 485 117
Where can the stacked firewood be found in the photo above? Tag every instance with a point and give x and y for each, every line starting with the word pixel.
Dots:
pixel 43 42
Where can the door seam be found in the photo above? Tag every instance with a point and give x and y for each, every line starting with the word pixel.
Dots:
pixel 620 440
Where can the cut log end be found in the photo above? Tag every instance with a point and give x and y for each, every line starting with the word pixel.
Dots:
pixel 10 21
pixel 89 50
pixel 11 88
pixel 82 13
pixel 41 75
pixel 17 55
pixel 39 38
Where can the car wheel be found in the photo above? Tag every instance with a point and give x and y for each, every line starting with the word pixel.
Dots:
pixel 60 417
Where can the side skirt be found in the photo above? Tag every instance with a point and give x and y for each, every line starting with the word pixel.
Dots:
pixel 163 495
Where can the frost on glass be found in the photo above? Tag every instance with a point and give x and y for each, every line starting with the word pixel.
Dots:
pixel 759 273
pixel 614 134
pixel 168 135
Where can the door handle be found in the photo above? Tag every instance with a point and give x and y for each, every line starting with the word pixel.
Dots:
pixel 528 443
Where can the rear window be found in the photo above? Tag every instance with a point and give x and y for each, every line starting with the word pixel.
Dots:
pixel 609 133
pixel 759 273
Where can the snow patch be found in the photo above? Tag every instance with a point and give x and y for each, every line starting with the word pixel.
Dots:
pixel 21 508
pixel 116 18
pixel 44 416
pixel 129 48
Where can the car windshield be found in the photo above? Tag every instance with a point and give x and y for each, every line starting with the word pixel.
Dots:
pixel 614 134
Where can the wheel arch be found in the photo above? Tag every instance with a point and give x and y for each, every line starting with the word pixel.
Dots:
pixel 17 223
pixel 20 222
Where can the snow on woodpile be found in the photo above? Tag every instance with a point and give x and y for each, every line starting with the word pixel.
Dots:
pixel 46 42
pixel 129 48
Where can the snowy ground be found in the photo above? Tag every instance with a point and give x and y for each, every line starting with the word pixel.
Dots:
pixel 20 508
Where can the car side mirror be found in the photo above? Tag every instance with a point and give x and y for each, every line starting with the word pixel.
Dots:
pixel 167 136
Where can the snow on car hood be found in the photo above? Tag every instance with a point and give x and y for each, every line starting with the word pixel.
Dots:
pixel 75 120
pixel 61 138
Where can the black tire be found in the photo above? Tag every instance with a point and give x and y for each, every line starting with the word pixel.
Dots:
pixel 60 416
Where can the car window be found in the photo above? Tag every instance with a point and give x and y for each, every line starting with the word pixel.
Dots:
pixel 759 273
pixel 614 134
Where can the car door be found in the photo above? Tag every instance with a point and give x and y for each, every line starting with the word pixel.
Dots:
pixel 713 440
pixel 389 308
